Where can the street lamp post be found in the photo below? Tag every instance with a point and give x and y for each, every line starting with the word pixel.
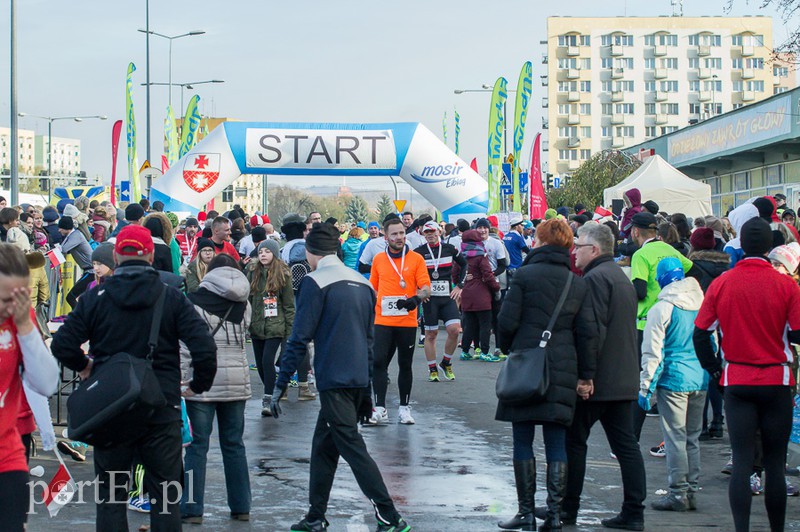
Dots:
pixel 488 88
pixel 14 180
pixel 714 95
pixel 50 120
pixel 171 38
pixel 189 85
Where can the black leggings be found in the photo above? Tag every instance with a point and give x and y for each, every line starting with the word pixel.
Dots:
pixel 264 352
pixel 387 341
pixel 79 288
pixel 748 409
pixel 14 500
pixel 477 328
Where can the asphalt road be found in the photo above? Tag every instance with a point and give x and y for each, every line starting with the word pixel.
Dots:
pixel 449 472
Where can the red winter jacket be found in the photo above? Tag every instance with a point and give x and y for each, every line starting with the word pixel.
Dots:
pixel 478 291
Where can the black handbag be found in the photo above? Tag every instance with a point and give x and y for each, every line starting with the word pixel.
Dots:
pixel 525 377
pixel 112 406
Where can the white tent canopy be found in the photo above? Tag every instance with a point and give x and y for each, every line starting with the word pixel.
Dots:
pixel 661 182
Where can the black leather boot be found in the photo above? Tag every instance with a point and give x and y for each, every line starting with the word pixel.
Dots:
pixel 525 479
pixel 556 488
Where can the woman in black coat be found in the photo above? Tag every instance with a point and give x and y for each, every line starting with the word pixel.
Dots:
pixel 162 256
pixel 571 352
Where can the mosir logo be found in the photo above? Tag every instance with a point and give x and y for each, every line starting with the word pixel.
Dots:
pixel 443 173
pixel 201 171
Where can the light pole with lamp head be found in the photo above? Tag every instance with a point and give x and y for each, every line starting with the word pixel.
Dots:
pixel 190 85
pixel 489 88
pixel 171 38
pixel 50 120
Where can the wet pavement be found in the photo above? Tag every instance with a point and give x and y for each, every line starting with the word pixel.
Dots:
pixel 449 472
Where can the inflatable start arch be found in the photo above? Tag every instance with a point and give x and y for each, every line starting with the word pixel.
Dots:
pixel 408 150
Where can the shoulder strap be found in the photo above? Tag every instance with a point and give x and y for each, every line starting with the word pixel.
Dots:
pixel 155 325
pixel 546 334
pixel 225 317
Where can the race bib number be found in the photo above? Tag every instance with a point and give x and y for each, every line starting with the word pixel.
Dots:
pixel 440 287
pixel 389 306
pixel 270 307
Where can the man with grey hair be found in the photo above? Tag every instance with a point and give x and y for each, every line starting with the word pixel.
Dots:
pixel 614 390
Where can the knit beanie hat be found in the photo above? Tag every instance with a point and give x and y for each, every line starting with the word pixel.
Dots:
pixel 258 234
pixel 756 236
pixel 104 254
pixel 66 223
pixel 49 214
pixel 483 222
pixel 651 206
pixel 134 212
pixel 173 219
pixel 323 240
pixel 765 208
pixel 702 238
pixel 462 225
pixel 549 214
pixel 272 245
pixel 203 243
pixel 669 270
pixel 788 255
pixel 563 211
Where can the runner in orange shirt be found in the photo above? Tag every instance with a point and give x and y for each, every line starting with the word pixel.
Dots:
pixel 401 280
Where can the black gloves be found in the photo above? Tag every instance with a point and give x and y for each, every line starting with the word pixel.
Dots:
pixel 408 304
pixel 364 409
pixel 275 403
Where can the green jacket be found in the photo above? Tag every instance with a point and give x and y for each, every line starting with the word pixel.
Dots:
pixel 192 280
pixel 279 326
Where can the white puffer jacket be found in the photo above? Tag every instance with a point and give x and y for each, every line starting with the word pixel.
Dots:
pixel 232 382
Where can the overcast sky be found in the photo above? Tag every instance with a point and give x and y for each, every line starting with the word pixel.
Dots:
pixel 297 61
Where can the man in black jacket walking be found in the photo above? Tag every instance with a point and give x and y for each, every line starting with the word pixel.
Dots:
pixel 115 317
pixel 615 386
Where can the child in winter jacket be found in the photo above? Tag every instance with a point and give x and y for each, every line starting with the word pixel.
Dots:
pixel 671 370
pixel 476 296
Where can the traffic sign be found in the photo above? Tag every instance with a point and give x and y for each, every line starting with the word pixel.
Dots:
pixel 145 166
pixel 556 182
pixel 399 204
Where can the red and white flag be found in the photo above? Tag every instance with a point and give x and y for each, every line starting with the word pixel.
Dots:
pixel 60 490
pixel 600 213
pixel 201 171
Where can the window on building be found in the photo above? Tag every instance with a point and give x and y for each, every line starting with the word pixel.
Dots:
pixel 586 132
pixel 669 86
pixel 563 108
pixel 567 86
pixel 713 62
pixel 625 63
pixel 586 86
pixel 738 85
pixel 586 63
pixel 694 40
pixel 607 86
pixel 650 40
pixel 567 62
pixel 668 129
pixel 747 39
pixel 649 63
pixel 670 63
pixel 625 86
pixel 774 175
pixel 667 39
pixel 586 154
pixel 738 106
pixel 605 108
pixel 650 86
pixel 669 108
pixel 714 108
pixel 737 63
pixel 694 85
pixel 567 132
pixel 649 108
pixel 756 85
pixel 779 90
pixel 607 62
pixel 624 131
pixel 624 108
pixel 694 108
pixel 585 108
pixel 754 62
pixel 568 155
pixel 649 131
pixel 705 39
pixel 713 85
pixel 617 39
pixel 694 62
pixel 568 40
pixel 780 71
pixel 605 131
pixel 585 40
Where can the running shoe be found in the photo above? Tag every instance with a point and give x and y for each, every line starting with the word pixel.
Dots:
pixel 421 342
pixel 499 354
pixel 448 371
pixel 266 409
pixel 658 451
pixel 791 489
pixel 400 526
pixel 404 416
pixel 75 449
pixel 253 367
pixel 379 416
pixel 728 469
pixel 293 381
pixel 755 484
pixel 478 352
pixel 466 355
pixel 433 376
pixel 306 394
pixel 139 503
pixel 310 526
pixel 488 357
pixel 653 412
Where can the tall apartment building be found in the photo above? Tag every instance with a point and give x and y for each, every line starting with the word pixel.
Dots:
pixel 618 81
pixel 66 155
pixel 26 151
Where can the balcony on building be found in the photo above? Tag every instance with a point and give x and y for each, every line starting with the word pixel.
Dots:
pixel 544 59
pixel 617 118
pixel 704 96
pixel 573 164
pixel 545 145
pixel 661 96
pixel 572 51
pixel 661 119
pixel 660 50
pixel 573 119
pixel 573 73
pixel 573 142
pixel 545 103
pixel 748 73
pixel 703 73
pixel 616 49
pixel 776 80
pixel 747 51
pixel 617 96
pixel 694 118
pixel 617 142
pixel 703 50
pixel 747 96
pixel 544 80
pixel 573 96
pixel 660 73
pixel 617 73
